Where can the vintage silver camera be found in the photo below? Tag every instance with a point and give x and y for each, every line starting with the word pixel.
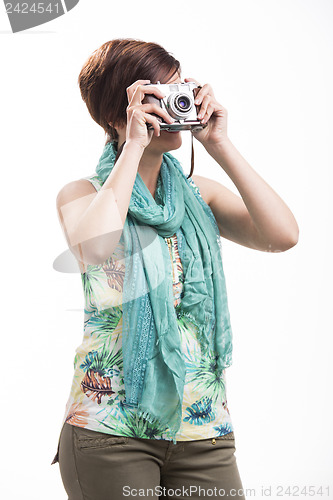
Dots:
pixel 179 103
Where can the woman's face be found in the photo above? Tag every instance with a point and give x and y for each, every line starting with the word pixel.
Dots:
pixel 167 141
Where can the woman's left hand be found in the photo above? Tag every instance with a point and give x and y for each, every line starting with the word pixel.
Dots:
pixel 212 113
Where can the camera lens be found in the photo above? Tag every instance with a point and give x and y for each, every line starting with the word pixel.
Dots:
pixel 180 105
pixel 183 103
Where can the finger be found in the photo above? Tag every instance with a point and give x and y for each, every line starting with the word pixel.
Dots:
pixel 209 111
pixel 154 122
pixel 197 94
pixel 152 109
pixel 204 105
pixel 151 132
pixel 142 90
pixel 191 80
pixel 131 89
pixel 155 108
pixel 205 90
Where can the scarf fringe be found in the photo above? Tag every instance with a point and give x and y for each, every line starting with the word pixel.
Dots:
pixel 149 417
pixel 224 362
pixel 201 328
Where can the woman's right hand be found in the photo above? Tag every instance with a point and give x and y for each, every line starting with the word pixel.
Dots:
pixel 138 114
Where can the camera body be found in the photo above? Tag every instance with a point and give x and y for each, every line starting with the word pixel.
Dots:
pixel 179 104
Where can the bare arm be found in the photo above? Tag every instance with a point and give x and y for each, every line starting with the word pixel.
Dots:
pixel 93 221
pixel 259 219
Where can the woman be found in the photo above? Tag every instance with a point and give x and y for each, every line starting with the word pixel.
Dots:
pixel 147 413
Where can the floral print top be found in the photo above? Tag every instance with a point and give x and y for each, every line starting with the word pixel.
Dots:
pixel 97 392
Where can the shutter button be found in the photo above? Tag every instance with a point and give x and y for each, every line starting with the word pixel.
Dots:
pixel 213 441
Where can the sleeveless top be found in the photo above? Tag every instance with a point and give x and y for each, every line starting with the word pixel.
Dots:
pixel 97 391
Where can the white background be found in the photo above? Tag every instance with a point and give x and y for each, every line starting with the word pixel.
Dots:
pixel 270 65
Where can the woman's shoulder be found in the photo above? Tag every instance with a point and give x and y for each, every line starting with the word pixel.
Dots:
pixel 203 185
pixel 78 188
pixel 93 179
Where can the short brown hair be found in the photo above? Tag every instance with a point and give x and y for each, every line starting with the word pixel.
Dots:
pixel 112 68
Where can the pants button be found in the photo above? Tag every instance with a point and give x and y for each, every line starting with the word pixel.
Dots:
pixel 213 441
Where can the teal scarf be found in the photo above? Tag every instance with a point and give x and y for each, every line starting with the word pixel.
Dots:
pixel 154 368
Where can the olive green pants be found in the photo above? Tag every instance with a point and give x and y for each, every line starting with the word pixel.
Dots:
pixel 99 466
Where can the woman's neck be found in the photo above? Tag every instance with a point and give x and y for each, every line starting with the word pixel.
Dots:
pixel 149 169
pixel 149 165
